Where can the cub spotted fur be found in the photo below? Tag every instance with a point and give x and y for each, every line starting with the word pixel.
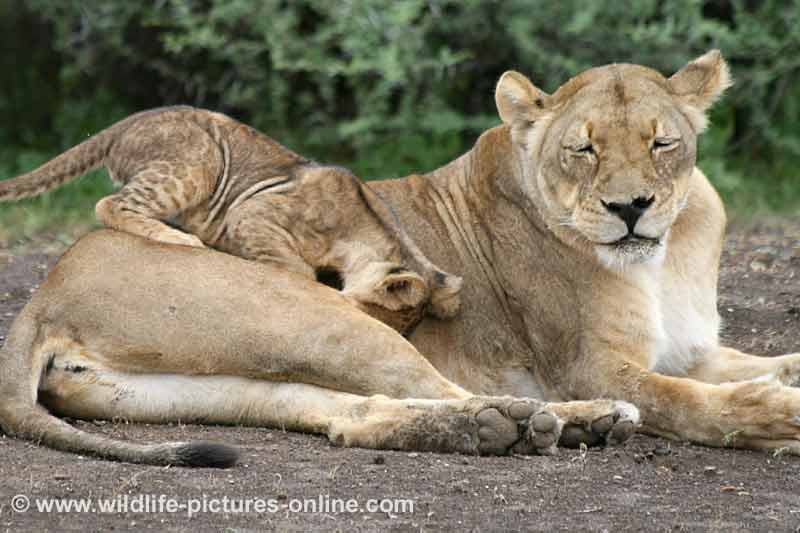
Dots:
pixel 195 177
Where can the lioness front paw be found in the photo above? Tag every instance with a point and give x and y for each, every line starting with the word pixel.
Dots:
pixel 518 426
pixel 596 422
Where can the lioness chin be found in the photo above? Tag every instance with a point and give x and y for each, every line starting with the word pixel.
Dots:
pixel 589 244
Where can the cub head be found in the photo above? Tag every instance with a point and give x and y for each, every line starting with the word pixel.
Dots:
pixel 608 157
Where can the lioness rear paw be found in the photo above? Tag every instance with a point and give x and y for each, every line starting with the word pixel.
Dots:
pixel 596 423
pixel 518 426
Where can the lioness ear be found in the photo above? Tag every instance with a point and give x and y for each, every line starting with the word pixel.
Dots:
pixel 518 100
pixel 700 83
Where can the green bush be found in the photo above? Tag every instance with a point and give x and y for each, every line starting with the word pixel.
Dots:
pixel 387 88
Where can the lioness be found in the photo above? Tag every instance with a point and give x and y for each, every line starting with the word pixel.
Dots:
pixel 195 177
pixel 589 243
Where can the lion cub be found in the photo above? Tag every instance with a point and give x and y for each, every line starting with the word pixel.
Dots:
pixel 198 178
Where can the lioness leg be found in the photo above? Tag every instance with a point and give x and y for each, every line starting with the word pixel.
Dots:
pixel 762 415
pixel 485 425
pixel 727 364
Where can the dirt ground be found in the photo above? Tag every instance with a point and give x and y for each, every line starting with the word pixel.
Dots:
pixel 645 485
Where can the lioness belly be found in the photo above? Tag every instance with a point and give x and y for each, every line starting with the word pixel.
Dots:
pixel 69 389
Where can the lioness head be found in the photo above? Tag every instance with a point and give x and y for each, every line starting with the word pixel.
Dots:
pixel 607 158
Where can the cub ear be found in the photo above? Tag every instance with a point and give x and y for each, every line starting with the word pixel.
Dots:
pixel 518 100
pixel 700 83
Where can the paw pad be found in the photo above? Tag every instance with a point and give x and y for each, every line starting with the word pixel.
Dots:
pixel 519 427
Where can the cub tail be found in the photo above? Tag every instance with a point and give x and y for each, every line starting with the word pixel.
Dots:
pixel 78 160
pixel 63 168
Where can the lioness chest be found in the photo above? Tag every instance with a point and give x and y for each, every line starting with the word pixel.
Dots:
pixel 664 314
pixel 659 318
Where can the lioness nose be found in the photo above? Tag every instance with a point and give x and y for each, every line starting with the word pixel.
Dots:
pixel 630 213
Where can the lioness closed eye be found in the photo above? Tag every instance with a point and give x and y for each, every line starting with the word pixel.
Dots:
pixel 589 244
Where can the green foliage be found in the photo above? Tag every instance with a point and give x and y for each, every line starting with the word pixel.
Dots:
pixel 387 88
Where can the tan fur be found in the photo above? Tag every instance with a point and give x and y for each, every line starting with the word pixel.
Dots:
pixel 569 310
pixel 195 177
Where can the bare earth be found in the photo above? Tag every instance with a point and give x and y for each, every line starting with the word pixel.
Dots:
pixel 646 485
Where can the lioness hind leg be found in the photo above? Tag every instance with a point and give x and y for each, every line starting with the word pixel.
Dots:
pixel 478 425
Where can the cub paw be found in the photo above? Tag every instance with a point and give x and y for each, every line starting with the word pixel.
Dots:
pixel 445 300
pixel 178 237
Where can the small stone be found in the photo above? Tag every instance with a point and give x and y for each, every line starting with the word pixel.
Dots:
pixel 413 454
pixel 765 255
pixel 379 460
pixel 710 470
pixel 662 451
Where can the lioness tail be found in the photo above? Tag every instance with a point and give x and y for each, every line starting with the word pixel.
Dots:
pixel 21 416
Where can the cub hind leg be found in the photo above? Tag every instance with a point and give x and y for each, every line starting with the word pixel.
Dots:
pixel 163 176
pixel 140 209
